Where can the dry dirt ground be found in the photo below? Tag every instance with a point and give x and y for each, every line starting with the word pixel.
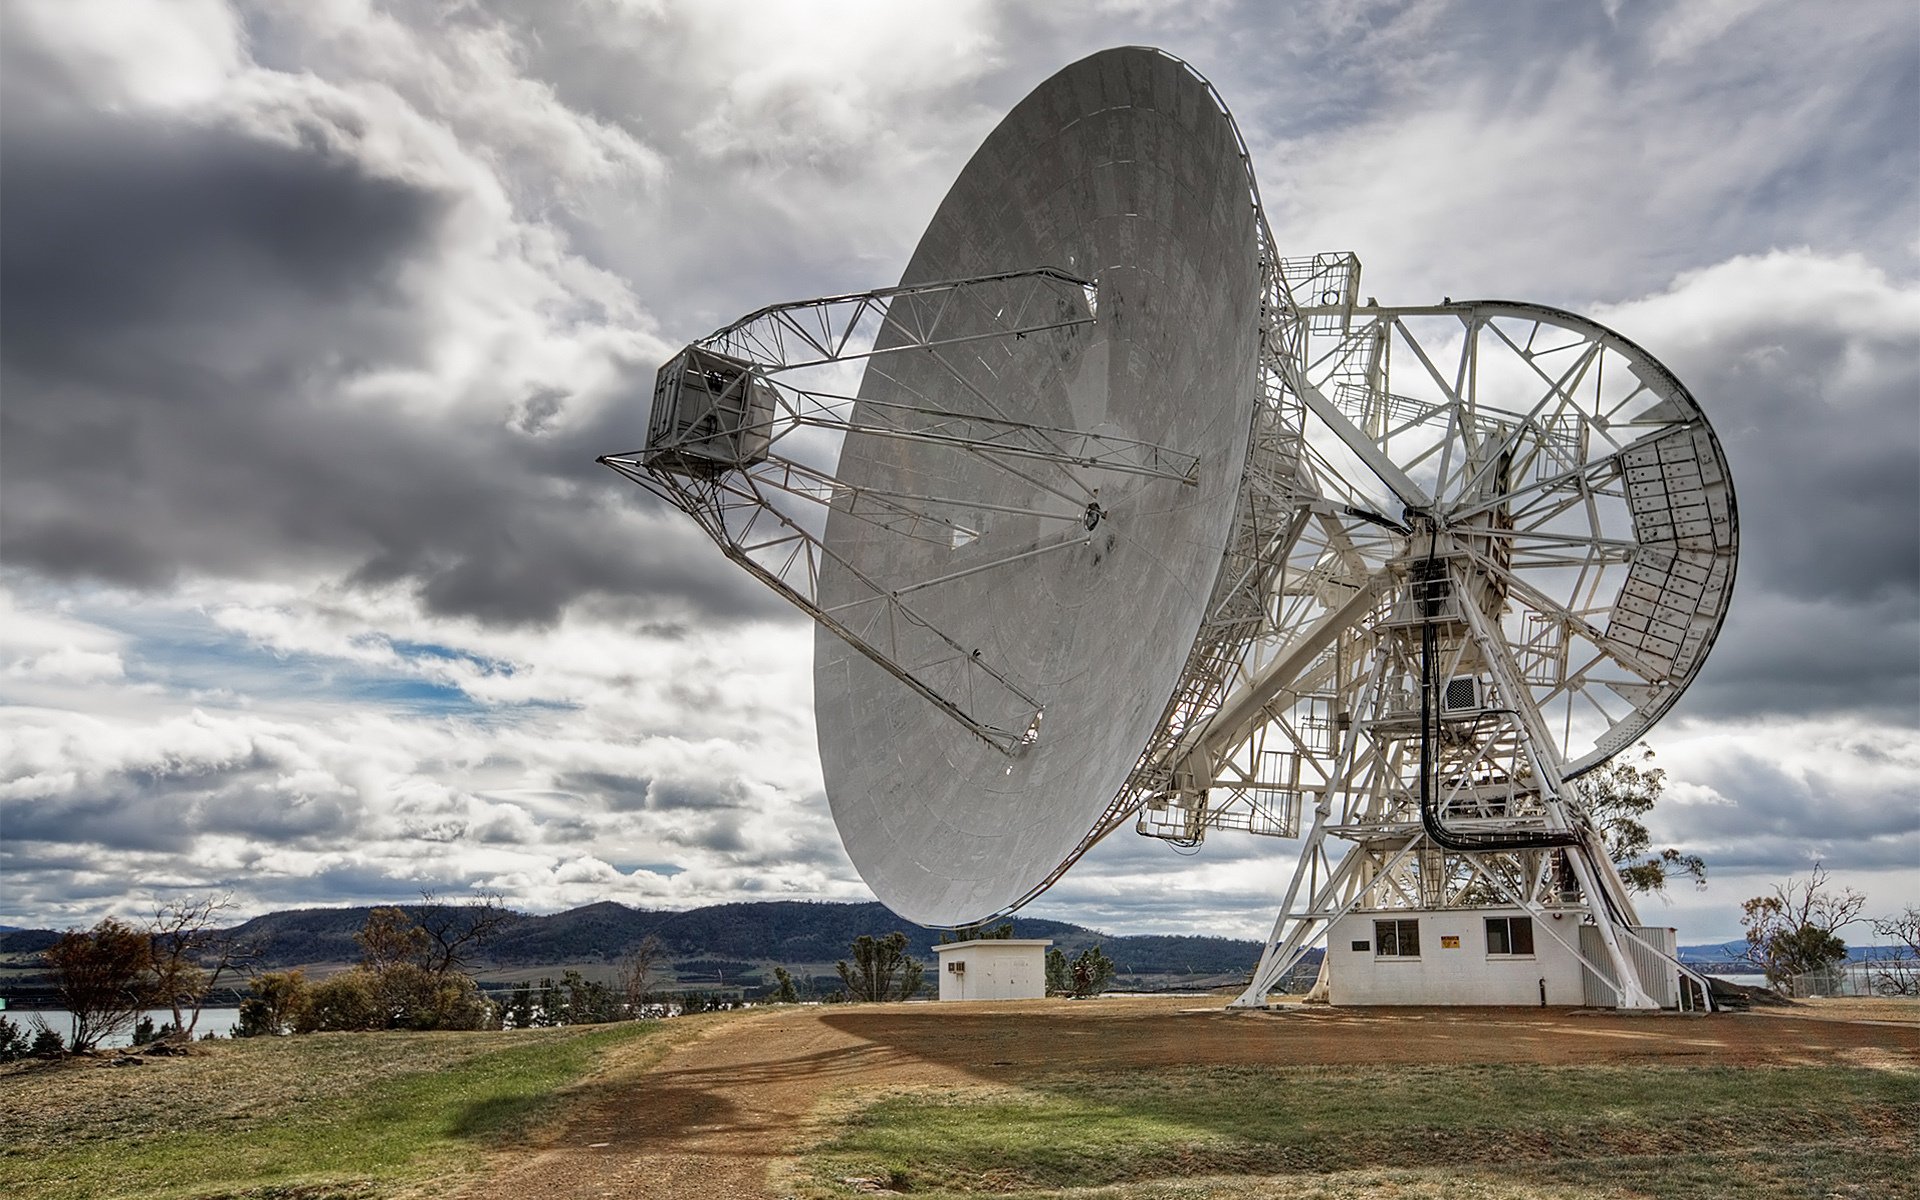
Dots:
pixel 724 1108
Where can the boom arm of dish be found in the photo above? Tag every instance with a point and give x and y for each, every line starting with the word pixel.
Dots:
pixel 746 427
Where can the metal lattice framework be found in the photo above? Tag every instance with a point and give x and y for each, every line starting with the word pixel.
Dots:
pixel 747 470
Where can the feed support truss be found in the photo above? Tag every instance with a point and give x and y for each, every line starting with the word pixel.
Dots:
pixel 1485 546
pixel 746 430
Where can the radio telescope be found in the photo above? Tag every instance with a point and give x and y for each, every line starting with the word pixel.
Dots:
pixel 1109 513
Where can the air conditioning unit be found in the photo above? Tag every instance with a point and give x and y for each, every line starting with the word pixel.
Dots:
pixel 1461 695
pixel 956 968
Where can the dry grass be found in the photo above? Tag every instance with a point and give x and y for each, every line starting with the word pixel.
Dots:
pixel 1885 1010
pixel 1427 1130
pixel 361 1115
pixel 227 1085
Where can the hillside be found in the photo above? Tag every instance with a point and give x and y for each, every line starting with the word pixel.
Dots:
pixel 718 942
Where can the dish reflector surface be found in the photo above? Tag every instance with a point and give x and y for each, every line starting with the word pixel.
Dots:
pixel 1122 169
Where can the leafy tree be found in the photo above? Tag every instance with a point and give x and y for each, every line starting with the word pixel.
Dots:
pixel 390 938
pixel 1795 931
pixel 784 992
pixel 278 1000
pixel 881 969
pixel 520 1011
pixel 186 936
pixel 102 977
pixel 13 1041
pixel 413 971
pixel 1090 973
pixel 1616 796
pixel 588 1001
pixel 1059 973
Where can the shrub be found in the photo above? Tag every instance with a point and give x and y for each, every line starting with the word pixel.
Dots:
pixel 347 1001
pixel 46 1043
pixel 13 1041
pixel 278 1001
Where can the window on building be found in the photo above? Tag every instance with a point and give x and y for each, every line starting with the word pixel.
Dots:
pixel 1397 939
pixel 1509 935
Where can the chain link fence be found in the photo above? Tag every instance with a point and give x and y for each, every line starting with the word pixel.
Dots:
pixel 1876 977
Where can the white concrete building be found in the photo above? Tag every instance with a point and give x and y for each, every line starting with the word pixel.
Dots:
pixel 994 969
pixel 1477 956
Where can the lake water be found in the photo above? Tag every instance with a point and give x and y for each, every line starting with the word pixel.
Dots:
pixel 1745 981
pixel 218 1021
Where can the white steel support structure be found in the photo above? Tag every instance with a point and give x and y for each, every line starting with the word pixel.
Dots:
pixel 1510 542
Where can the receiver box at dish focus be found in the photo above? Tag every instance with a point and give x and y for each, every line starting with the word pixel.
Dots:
pixel 711 414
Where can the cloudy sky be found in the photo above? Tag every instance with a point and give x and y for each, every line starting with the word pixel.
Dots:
pixel 316 314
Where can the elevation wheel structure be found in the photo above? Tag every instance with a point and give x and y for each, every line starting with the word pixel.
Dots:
pixel 1517 546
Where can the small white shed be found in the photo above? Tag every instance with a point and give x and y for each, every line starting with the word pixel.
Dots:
pixel 994 969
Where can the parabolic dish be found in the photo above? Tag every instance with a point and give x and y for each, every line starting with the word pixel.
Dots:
pixel 1122 169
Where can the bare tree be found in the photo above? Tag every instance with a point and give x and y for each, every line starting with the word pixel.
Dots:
pixel 635 978
pixel 1899 975
pixel 103 978
pixel 455 931
pixel 190 954
pixel 1795 930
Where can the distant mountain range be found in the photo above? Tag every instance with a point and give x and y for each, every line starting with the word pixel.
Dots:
pixel 1713 952
pixel 721 942
pixel 1736 952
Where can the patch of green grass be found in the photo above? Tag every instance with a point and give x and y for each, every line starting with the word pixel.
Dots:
pixel 1562 1131
pixel 350 1115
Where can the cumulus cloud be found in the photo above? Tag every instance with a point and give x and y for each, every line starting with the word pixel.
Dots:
pixel 299 325
pixel 318 314
pixel 1808 366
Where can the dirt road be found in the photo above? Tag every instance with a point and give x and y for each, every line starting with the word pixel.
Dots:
pixel 727 1105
